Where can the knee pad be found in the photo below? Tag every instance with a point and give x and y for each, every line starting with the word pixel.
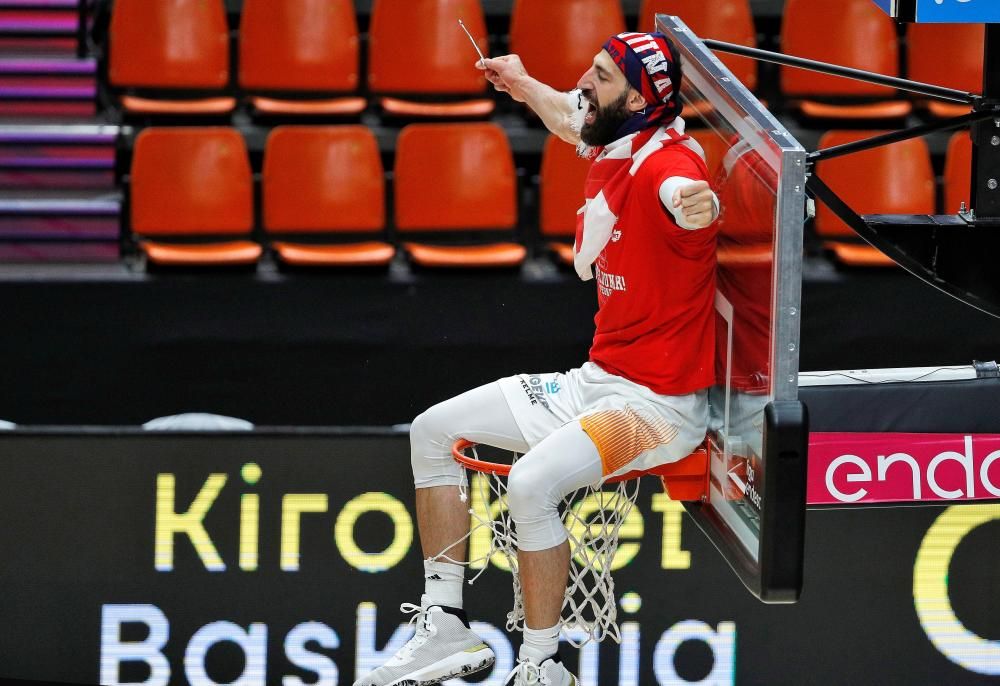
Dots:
pixel 534 507
pixel 422 429
pixel 430 452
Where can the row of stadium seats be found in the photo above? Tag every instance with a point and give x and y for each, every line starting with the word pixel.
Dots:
pixel 302 57
pixel 454 195
pixel 450 180
pixel 856 33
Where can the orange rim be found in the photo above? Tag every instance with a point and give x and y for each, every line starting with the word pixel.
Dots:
pixel 461 445
pixel 472 463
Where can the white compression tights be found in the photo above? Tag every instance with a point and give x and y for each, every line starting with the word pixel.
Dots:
pixel 564 461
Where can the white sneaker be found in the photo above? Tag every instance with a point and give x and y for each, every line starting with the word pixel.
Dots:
pixel 549 673
pixel 442 648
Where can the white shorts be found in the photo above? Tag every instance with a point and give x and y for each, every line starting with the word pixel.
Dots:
pixel 632 427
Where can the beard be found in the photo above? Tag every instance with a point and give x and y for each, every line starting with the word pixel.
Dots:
pixel 607 120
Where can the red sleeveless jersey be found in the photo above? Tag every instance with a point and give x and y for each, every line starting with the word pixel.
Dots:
pixel 656 286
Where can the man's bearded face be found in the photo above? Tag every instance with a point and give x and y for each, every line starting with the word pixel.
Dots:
pixel 600 126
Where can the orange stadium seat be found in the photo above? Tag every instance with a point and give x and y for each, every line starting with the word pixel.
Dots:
pixel 560 195
pixel 963 68
pixel 420 59
pixel 170 45
pixel 958 173
pixel 726 20
pixel 304 46
pixel 454 180
pixel 325 181
pixel 715 148
pixel 557 39
pixel 193 183
pixel 853 33
pixel 894 179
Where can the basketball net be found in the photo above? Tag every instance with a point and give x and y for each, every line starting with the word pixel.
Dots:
pixel 593 518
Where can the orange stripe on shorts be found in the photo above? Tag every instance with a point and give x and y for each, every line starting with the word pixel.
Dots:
pixel 623 435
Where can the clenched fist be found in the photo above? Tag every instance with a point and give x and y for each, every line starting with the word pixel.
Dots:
pixel 697 203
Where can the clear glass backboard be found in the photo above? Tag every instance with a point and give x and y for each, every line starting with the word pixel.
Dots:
pixel 755 509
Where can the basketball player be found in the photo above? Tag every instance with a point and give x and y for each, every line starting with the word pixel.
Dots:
pixel 646 233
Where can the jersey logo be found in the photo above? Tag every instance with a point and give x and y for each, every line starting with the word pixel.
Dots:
pixel 616 235
pixel 536 390
pixel 609 283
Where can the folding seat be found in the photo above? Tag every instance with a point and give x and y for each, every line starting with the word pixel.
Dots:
pixel 958 173
pixel 326 183
pixel 561 195
pixel 947 55
pixel 421 62
pixel 852 33
pixel 557 39
pixel 456 184
pixel 170 48
pixel 192 191
pixel 726 20
pixel 300 57
pixel 894 179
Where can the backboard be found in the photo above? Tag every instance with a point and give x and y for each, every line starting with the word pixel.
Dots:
pixel 942 11
pixel 755 509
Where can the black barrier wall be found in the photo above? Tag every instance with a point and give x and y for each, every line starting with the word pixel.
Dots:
pixel 282 559
pixel 338 349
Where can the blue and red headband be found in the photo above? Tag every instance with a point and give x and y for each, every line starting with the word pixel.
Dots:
pixel 651 66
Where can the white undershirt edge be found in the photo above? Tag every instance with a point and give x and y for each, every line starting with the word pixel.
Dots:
pixel 667 190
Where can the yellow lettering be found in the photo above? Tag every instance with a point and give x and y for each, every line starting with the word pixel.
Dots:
pixel 672 556
pixel 293 506
pixel 584 526
pixel 190 523
pixel 930 590
pixel 343 532
pixel 249 519
pixel 249 526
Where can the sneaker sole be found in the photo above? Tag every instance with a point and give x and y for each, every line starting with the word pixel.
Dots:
pixel 457 665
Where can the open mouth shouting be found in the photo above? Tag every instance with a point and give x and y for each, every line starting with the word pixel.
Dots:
pixel 590 103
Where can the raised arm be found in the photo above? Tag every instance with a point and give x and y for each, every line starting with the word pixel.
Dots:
pixel 558 110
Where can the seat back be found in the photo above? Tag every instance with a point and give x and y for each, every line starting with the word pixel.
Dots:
pixel 561 187
pixel 299 45
pixel 894 179
pixel 557 39
pixel 958 173
pixel 947 55
pixel 715 148
pixel 417 46
pixel 726 20
pixel 191 180
pixel 169 44
pixel 323 178
pixel 853 33
pixel 454 177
